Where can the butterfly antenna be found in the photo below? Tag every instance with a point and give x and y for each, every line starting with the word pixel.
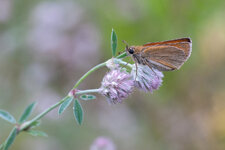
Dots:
pixel 127 45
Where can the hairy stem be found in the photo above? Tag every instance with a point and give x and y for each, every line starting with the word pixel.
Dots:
pixel 95 68
pixel 122 55
pixel 88 91
pixel 38 117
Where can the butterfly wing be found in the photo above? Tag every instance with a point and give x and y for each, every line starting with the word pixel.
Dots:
pixel 184 44
pixel 164 57
pixel 188 40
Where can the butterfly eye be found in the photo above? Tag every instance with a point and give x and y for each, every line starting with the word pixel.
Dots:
pixel 131 51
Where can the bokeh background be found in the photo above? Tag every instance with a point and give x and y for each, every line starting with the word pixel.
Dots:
pixel 45 46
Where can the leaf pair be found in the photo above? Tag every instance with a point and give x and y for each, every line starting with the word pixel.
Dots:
pixel 8 117
pixel 24 117
pixel 77 108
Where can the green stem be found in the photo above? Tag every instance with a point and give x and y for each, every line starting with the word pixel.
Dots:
pixel 88 73
pixel 122 55
pixel 28 123
pixel 88 91
pixel 38 117
pixel 95 68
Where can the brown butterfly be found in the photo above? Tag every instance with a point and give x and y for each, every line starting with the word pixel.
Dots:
pixel 163 56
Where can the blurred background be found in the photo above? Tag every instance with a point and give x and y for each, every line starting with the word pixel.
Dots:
pixel 45 46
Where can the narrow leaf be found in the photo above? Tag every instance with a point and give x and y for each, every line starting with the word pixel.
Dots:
pixel 113 42
pixel 7 116
pixel 37 133
pixel 35 124
pixel 2 146
pixel 65 104
pixel 10 139
pixel 78 112
pixel 87 97
pixel 27 112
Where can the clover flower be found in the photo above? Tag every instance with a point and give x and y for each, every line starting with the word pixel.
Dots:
pixel 117 85
pixel 146 79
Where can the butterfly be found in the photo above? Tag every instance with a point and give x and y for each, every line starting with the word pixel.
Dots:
pixel 163 56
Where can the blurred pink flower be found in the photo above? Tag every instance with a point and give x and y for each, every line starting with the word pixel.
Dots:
pixel 146 79
pixel 117 85
pixel 59 30
pixel 103 143
pixel 5 10
pixel 57 15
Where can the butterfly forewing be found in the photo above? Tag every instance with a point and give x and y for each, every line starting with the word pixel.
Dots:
pixel 169 57
pixel 166 55
pixel 188 40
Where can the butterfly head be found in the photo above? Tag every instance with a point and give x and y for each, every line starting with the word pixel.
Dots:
pixel 129 50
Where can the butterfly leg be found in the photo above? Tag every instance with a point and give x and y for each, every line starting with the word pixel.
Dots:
pixel 124 65
pixel 150 67
pixel 136 71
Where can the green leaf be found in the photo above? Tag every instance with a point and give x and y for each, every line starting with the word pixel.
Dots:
pixel 113 42
pixel 65 104
pixel 27 112
pixel 10 139
pixel 78 112
pixel 87 97
pixel 35 124
pixel 7 116
pixel 37 133
pixel 2 146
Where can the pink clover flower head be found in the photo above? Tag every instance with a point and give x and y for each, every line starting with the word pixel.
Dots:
pixel 146 78
pixel 117 85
